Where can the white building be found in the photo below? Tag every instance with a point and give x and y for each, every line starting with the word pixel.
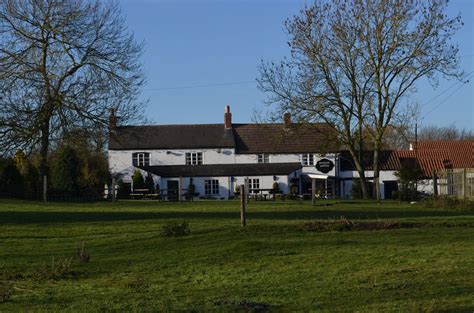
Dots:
pixel 215 158
pixel 218 157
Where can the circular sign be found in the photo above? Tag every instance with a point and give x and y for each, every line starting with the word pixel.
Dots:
pixel 325 166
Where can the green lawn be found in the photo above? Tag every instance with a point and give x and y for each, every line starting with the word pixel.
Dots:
pixel 274 264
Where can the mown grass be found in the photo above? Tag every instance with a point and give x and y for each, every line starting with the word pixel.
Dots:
pixel 275 264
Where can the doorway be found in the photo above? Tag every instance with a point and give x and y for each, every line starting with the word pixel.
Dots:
pixel 389 186
pixel 173 190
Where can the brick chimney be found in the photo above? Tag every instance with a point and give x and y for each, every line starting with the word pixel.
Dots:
pixel 287 120
pixel 112 119
pixel 227 118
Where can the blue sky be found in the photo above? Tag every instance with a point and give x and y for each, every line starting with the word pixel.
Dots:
pixel 193 43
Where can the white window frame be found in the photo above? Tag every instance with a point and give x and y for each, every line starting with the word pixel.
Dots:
pixel 254 183
pixel 307 159
pixel 141 159
pixel 193 158
pixel 263 158
pixel 211 186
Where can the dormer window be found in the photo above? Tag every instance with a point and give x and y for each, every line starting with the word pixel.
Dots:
pixel 263 158
pixel 193 158
pixel 141 159
pixel 307 159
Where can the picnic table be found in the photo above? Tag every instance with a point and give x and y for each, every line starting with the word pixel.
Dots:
pixel 162 195
pixel 258 194
pixel 144 194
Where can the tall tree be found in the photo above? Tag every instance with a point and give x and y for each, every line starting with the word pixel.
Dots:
pixel 66 170
pixel 354 62
pixel 63 65
pixel 451 132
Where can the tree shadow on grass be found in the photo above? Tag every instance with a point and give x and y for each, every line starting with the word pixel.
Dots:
pixel 36 217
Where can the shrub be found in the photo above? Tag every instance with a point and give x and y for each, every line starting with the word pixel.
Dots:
pixel 82 255
pixel 65 170
pixel 56 270
pixel 408 176
pixel 446 202
pixel 347 225
pixel 276 188
pixel 11 182
pixel 175 229
pixel 149 183
pixel 280 196
pixel 138 182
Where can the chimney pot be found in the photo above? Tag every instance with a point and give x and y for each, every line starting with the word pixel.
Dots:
pixel 112 119
pixel 287 120
pixel 227 118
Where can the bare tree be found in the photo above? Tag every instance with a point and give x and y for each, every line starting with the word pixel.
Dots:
pixel 353 63
pixel 63 65
pixel 445 133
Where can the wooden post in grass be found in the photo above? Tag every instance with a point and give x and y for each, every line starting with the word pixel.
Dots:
pixel 435 183
pixel 113 189
pixel 243 202
pixel 463 184
pixel 45 188
pixel 313 190
pixel 180 186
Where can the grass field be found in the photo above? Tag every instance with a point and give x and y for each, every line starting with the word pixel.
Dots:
pixel 277 263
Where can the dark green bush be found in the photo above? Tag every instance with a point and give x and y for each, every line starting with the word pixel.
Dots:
pixel 138 181
pixel 11 182
pixel 149 183
pixel 446 202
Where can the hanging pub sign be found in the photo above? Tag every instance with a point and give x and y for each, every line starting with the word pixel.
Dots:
pixel 325 166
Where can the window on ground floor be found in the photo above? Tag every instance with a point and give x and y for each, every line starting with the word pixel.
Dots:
pixel 254 183
pixel 211 187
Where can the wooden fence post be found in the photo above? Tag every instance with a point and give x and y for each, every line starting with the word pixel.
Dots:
pixel 113 189
pixel 435 183
pixel 463 188
pixel 180 186
pixel 247 190
pixel 243 219
pixel 45 188
pixel 313 190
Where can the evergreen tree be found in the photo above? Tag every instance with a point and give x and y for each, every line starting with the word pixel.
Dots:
pixel 11 182
pixel 138 182
pixel 149 183
pixel 65 170
pixel 30 175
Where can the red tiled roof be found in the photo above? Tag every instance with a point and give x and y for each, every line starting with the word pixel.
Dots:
pixel 441 154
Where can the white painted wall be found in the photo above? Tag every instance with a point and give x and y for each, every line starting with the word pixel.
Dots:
pixel 346 185
pixel 120 161
pixel 226 186
pixel 425 185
